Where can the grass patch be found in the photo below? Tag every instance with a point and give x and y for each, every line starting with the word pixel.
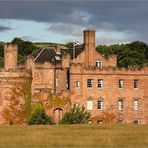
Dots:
pixel 87 136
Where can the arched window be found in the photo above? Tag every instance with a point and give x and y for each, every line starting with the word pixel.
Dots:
pixel 99 64
pixel 100 103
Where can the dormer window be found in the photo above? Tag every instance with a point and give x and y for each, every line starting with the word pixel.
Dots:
pixel 57 58
pixel 99 64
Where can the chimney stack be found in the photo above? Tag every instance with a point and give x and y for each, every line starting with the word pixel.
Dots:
pixel 89 46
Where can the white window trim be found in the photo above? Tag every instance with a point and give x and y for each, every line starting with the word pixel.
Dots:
pixel 101 101
pixel 120 106
pixel 137 84
pixel 77 84
pixel 100 64
pixel 136 120
pixel 136 106
pixel 102 83
pixel 121 80
pixel 87 83
pixel 89 104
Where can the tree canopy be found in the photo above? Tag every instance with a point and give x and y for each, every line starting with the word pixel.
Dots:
pixel 25 47
pixel 132 54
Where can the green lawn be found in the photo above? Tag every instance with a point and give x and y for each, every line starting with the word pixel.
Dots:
pixel 83 136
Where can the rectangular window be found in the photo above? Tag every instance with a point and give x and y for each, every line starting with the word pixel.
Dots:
pixel 98 64
pixel 136 121
pixel 77 84
pixel 135 83
pixel 121 83
pixel 100 104
pixel 136 104
pixel 120 104
pixel 89 83
pixel 100 83
pixel 90 105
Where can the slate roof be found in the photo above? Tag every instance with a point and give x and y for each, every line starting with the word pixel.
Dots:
pixel 48 54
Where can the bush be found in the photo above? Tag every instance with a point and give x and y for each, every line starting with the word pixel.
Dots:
pixel 39 116
pixel 76 115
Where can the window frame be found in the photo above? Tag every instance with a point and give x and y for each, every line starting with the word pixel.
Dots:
pixel 77 84
pixel 136 121
pixel 98 64
pixel 90 85
pixel 136 84
pixel 136 106
pixel 100 83
pixel 120 106
pixel 121 85
pixel 88 106
pixel 100 104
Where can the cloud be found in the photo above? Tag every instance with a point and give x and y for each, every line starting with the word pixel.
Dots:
pixel 70 17
pixel 4 28
pixel 65 28
pixel 28 38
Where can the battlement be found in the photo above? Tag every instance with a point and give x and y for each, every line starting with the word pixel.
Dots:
pixel 78 68
pixel 16 73
pixel 10 47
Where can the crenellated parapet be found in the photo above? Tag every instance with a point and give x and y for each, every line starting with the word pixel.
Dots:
pixel 10 46
pixel 78 68
pixel 15 75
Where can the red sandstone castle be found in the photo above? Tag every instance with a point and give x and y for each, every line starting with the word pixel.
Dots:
pixel 89 78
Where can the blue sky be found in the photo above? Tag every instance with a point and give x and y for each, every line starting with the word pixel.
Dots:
pixel 62 21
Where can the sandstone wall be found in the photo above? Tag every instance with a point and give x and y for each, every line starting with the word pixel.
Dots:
pixel 111 93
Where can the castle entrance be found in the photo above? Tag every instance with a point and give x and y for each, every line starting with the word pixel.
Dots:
pixel 58 114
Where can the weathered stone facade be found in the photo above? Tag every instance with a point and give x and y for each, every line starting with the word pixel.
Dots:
pixel 87 77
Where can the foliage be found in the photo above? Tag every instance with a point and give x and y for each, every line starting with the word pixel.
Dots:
pixel 132 54
pixel 107 115
pixel 39 116
pixel 25 47
pixel 76 115
pixel 18 103
pixel 55 101
pixel 69 45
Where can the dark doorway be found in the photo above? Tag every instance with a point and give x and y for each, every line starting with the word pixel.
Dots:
pixel 58 114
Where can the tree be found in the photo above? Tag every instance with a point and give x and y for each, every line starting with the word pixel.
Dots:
pixel 76 115
pixel 39 116
pixel 69 45
pixel 18 104
pixel 25 47
pixel 132 54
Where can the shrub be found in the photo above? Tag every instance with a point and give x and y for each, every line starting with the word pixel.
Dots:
pixel 39 116
pixel 76 115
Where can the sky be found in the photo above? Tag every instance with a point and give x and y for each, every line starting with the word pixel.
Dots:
pixel 61 21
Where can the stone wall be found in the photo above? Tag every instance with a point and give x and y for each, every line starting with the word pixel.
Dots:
pixel 8 80
pixel 111 93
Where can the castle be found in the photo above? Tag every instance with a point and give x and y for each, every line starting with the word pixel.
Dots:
pixel 90 79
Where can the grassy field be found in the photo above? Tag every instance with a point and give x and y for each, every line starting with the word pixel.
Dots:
pixel 83 136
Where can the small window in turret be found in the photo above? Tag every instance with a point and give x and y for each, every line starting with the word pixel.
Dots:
pixel 99 64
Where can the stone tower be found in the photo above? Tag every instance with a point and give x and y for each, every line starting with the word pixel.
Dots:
pixel 10 56
pixel 89 46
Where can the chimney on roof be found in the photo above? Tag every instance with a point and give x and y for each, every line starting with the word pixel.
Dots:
pixel 90 47
pixel 57 48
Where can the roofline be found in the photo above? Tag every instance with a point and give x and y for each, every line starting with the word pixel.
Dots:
pixel 39 54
